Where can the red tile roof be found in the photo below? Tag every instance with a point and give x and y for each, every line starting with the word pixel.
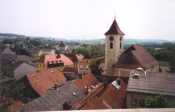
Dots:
pixel 103 97
pixel 114 29
pixel 113 97
pixel 86 81
pixel 58 58
pixel 43 80
pixel 136 56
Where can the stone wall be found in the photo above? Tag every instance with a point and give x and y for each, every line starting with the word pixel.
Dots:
pixel 112 55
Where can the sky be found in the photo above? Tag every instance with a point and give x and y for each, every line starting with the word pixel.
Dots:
pixel 88 19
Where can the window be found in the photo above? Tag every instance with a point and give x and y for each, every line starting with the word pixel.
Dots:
pixel 120 42
pixel 111 38
pixel 111 45
pixel 120 45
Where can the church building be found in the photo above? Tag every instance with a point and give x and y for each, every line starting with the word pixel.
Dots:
pixel 120 62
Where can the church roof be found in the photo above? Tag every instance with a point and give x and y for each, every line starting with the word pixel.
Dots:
pixel 114 29
pixel 136 56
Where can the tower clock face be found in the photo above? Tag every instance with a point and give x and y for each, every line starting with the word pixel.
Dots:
pixel 111 38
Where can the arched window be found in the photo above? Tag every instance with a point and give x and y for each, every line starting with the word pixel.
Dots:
pixel 111 45
pixel 111 39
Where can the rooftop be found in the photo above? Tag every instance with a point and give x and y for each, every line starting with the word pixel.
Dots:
pixel 136 56
pixel 103 97
pixel 7 50
pixel 63 58
pixel 114 29
pixel 23 70
pixel 43 80
pixel 55 98
pixel 86 81
pixel 153 83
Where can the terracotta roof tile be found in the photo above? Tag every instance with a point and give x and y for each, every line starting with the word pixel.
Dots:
pixel 103 97
pixel 43 80
pixel 136 56
pixel 86 81
pixel 114 97
pixel 61 57
pixel 54 100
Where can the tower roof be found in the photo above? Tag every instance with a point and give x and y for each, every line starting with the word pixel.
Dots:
pixel 114 29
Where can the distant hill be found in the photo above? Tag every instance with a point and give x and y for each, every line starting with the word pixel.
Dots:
pixel 10 35
pixel 81 41
pixel 128 41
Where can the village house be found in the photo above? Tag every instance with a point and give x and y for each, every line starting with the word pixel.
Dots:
pixel 103 96
pixel 57 60
pixel 43 80
pixel 84 93
pixel 59 97
pixel 37 83
pixel 83 66
pixel 150 84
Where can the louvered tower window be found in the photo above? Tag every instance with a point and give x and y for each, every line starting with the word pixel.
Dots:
pixel 111 42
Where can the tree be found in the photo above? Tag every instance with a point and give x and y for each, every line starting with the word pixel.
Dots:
pixel 154 102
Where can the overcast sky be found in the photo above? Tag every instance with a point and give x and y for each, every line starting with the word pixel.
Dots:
pixel 88 18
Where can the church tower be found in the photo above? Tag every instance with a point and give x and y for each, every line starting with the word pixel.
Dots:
pixel 113 46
